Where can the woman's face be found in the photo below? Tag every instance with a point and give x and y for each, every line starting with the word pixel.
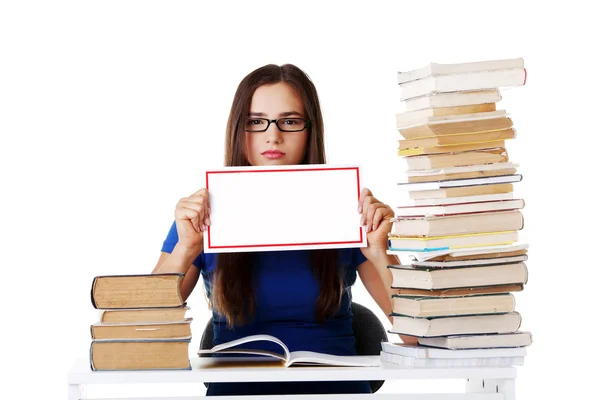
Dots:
pixel 274 147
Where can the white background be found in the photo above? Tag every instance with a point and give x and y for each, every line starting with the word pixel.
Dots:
pixel 109 110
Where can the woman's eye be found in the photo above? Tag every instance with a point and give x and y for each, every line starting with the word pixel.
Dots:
pixel 290 122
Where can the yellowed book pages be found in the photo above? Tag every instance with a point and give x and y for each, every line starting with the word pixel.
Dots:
pixel 459 224
pixel 450 140
pixel 170 314
pixel 462 191
pixel 447 257
pixel 486 156
pixel 456 128
pixel 142 355
pixel 450 149
pixel 462 175
pixel 166 330
pixel 469 291
pixel 137 291
pixel 417 117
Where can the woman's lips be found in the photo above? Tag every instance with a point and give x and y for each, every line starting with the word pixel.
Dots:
pixel 273 154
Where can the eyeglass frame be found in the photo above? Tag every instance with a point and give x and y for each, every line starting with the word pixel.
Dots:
pixel 269 121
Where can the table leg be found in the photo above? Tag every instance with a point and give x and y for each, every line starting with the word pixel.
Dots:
pixel 504 386
pixel 74 392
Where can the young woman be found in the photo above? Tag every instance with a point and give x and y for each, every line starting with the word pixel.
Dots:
pixel 302 297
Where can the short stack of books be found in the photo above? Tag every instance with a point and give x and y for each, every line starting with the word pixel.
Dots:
pixel 460 221
pixel 142 323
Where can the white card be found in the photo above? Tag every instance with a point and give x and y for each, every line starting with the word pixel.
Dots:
pixel 291 207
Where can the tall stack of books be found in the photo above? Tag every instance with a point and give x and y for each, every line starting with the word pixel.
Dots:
pixel 142 323
pixel 459 223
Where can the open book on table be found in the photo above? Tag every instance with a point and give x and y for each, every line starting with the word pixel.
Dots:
pixel 288 358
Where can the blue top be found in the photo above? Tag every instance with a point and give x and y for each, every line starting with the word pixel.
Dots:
pixel 286 291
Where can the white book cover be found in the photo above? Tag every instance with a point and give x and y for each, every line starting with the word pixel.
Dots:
pixel 404 123
pixel 424 256
pixel 467 263
pixel 433 185
pixel 464 81
pixel 457 200
pixel 451 362
pixel 460 208
pixel 456 170
pixel 452 99
pixel 419 351
pixel 457 68
pixel 492 340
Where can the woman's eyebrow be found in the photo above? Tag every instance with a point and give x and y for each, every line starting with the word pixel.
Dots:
pixel 283 114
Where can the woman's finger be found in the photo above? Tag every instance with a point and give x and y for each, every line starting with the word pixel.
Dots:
pixel 381 213
pixel 183 213
pixel 365 208
pixel 371 210
pixel 363 195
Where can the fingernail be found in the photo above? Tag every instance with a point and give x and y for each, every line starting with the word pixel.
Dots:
pixel 203 227
pixel 359 209
pixel 368 228
pixel 207 221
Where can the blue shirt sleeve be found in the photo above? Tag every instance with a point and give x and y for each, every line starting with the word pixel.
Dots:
pixel 172 239
pixel 357 257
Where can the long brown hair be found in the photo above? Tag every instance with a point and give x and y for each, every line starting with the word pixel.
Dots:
pixel 232 294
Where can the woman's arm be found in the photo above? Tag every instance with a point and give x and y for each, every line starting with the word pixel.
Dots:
pixel 380 288
pixel 179 261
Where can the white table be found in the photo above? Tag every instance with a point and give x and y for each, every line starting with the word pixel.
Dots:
pixel 483 383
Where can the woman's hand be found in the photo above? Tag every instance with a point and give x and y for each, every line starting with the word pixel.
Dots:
pixel 192 217
pixel 376 216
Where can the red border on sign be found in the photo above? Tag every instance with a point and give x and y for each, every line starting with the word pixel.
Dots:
pixel 231 171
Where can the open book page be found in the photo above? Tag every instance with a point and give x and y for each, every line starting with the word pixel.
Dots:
pixel 226 348
pixel 313 358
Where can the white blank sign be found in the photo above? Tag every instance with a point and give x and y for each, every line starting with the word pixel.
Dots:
pixel 283 208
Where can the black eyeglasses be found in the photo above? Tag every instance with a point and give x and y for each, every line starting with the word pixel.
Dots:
pixel 284 124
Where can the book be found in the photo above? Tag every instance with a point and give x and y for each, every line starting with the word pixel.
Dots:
pixel 435 243
pixel 475 123
pixel 436 69
pixel 406 276
pixel 488 180
pixel 430 115
pixel 485 156
pixel 137 291
pixel 443 201
pixel 455 325
pixel 420 351
pixel 457 305
pixel 142 330
pixel 511 77
pixel 471 261
pixel 414 362
pixel 451 148
pixel 458 224
pixel 492 253
pixel 448 254
pixel 460 169
pixel 453 99
pixel 155 354
pixel 454 292
pixel 165 314
pixel 495 340
pixel 287 358
pixel 461 192
pixel 453 140
pixel 459 208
